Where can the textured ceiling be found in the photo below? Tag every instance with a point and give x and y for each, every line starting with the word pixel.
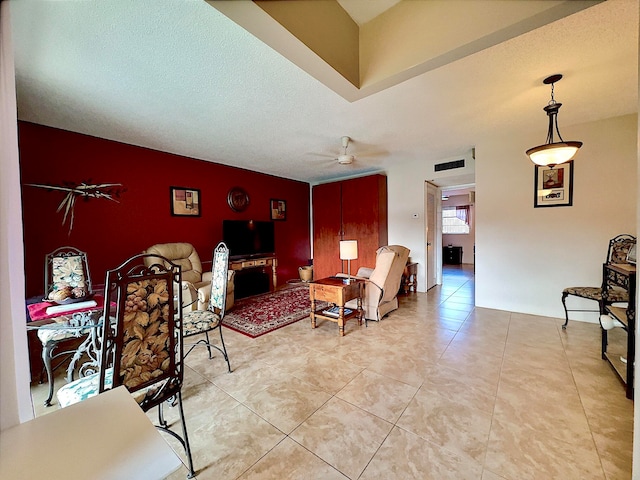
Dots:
pixel 181 77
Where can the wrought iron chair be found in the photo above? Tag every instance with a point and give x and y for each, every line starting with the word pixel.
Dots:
pixel 67 267
pixel 142 343
pixel 619 247
pixel 67 279
pixel 203 321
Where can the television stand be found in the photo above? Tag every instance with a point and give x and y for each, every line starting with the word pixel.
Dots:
pixel 260 264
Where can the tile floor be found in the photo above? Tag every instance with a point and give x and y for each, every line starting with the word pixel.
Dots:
pixel 437 390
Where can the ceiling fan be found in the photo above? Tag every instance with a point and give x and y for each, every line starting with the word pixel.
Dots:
pixel 345 158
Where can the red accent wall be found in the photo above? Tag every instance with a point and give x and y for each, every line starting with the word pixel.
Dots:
pixel 112 232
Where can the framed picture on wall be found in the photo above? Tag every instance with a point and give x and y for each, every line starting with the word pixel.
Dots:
pixel 553 186
pixel 278 209
pixel 185 202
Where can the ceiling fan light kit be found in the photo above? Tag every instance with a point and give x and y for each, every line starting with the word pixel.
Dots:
pixel 345 159
pixel 553 153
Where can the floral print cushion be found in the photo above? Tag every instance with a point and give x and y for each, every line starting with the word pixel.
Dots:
pixel 67 271
pixel 199 321
pixel 219 280
pixel 46 335
pixel 87 387
pixel 620 250
pixel 82 388
pixel 146 351
pixel 595 293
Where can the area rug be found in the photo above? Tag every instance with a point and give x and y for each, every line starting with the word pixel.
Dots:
pixel 260 314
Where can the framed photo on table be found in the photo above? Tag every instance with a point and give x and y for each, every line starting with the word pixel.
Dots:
pixel 553 186
pixel 278 209
pixel 185 202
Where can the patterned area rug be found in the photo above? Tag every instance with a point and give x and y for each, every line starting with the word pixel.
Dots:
pixel 260 314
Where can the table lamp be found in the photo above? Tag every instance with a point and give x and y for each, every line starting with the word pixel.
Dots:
pixel 348 251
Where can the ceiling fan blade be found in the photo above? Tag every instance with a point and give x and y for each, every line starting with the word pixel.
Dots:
pixel 373 153
pixel 323 155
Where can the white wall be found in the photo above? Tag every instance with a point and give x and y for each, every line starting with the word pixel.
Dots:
pixel 525 256
pixel 15 403
pixel 406 203
pixel 405 200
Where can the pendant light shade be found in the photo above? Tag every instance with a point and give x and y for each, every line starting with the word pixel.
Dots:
pixel 553 153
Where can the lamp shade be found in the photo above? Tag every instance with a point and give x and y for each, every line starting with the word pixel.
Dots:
pixel 553 153
pixel 348 249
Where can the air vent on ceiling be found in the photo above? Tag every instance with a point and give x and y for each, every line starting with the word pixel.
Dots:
pixel 438 167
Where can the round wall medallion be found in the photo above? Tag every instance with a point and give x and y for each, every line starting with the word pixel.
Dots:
pixel 238 199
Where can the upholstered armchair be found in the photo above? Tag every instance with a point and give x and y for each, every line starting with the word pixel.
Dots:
pixel 382 282
pixel 196 284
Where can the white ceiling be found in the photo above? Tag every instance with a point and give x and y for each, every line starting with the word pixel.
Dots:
pixel 181 77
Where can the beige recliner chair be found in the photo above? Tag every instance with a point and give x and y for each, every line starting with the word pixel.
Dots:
pixel 383 282
pixel 196 284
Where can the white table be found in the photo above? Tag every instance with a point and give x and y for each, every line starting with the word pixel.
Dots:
pixel 107 437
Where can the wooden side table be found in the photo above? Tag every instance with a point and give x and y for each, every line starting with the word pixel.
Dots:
pixel 410 277
pixel 336 291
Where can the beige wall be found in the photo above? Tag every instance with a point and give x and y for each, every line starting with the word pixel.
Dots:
pixel 525 256
pixel 325 28
pixel 470 27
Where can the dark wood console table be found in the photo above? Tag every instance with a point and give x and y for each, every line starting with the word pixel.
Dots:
pixel 621 275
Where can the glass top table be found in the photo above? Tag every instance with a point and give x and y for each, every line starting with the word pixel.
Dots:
pixel 57 332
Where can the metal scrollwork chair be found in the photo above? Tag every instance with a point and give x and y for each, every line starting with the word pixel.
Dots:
pixel 64 268
pixel 619 247
pixel 67 280
pixel 203 321
pixel 142 343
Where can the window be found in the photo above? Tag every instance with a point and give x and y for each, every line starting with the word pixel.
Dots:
pixel 455 219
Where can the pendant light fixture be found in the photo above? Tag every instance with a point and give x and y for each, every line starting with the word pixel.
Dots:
pixel 553 153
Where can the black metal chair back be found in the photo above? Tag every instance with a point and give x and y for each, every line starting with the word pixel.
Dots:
pixel 144 345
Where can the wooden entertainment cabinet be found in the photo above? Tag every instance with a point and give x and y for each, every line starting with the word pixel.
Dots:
pixel 265 265
pixel 353 209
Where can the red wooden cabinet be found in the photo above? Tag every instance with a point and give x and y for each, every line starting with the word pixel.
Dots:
pixel 354 209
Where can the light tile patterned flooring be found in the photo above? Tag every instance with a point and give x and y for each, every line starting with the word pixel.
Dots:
pixel 437 390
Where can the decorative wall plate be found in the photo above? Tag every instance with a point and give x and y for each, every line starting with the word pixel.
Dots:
pixel 238 199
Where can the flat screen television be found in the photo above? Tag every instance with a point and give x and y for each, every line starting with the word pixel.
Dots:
pixel 248 238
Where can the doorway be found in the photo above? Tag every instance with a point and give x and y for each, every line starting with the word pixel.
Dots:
pixel 458 235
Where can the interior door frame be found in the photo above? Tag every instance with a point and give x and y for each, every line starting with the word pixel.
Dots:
pixel 437 237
